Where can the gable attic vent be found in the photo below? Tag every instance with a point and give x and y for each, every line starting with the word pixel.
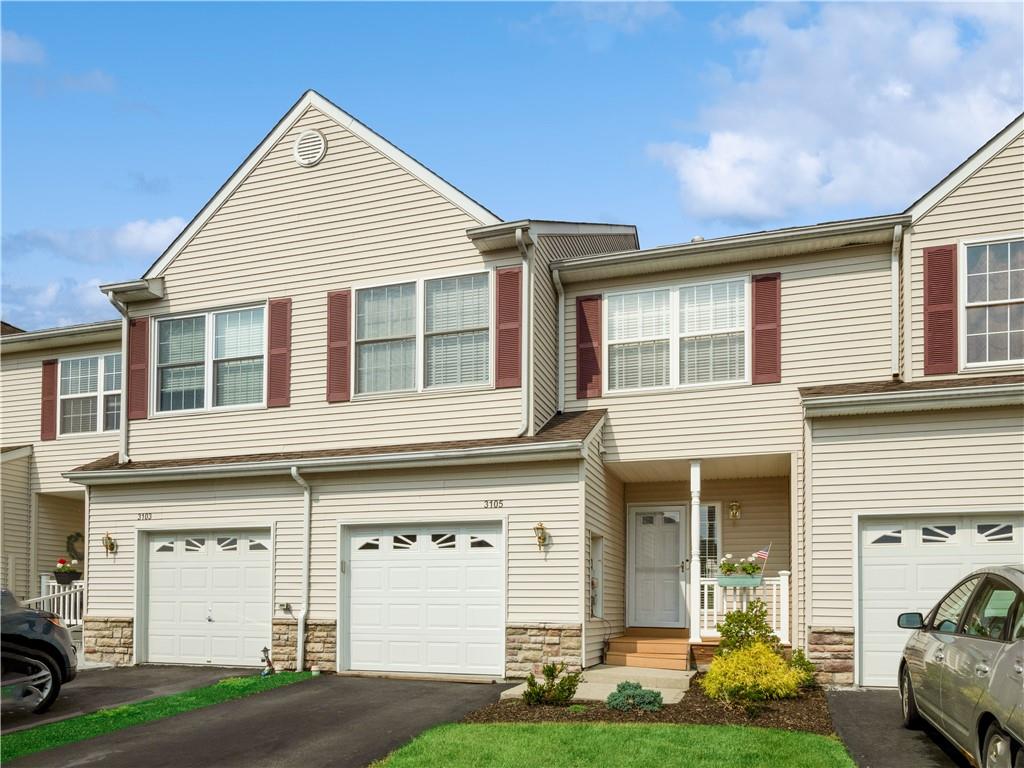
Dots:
pixel 310 148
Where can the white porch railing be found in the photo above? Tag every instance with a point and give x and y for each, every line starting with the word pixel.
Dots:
pixel 716 601
pixel 66 600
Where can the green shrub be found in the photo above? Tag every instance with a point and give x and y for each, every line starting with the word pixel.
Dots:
pixel 631 697
pixel 554 690
pixel 804 666
pixel 743 627
pixel 752 674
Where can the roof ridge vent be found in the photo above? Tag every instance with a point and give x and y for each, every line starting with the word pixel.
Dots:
pixel 697 239
pixel 310 148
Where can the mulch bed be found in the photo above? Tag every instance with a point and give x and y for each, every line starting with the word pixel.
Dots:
pixel 809 713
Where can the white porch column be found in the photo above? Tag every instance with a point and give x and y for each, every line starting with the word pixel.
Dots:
pixel 695 574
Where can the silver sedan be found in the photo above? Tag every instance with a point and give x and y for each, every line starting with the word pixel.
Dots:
pixel 963 669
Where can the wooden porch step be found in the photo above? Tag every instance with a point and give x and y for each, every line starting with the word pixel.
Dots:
pixel 656 646
pixel 647 660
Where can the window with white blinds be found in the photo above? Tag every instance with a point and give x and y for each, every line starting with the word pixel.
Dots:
pixel 386 339
pixel 457 318
pixel 639 339
pixel 222 352
pixel 712 328
pixel 677 336
pixel 90 394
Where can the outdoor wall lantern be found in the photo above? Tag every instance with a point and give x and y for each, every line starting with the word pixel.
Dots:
pixel 109 544
pixel 735 511
pixel 542 535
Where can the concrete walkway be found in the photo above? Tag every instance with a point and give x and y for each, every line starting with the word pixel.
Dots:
pixel 601 680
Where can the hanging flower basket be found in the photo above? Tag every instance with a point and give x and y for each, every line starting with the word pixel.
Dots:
pixel 745 573
pixel 742 580
pixel 65 572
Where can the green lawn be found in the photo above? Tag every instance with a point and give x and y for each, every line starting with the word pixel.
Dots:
pixel 106 720
pixel 559 745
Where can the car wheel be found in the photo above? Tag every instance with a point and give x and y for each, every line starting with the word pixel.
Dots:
pixel 998 749
pixel 911 719
pixel 43 684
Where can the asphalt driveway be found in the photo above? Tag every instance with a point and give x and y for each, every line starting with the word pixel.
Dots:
pixel 325 721
pixel 103 688
pixel 870 723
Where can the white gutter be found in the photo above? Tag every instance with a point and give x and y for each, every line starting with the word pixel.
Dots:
pixel 526 348
pixel 307 515
pixel 122 451
pixel 883 402
pixel 894 299
pixel 541 451
pixel 560 293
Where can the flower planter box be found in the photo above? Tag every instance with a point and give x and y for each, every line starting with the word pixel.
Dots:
pixel 740 581
pixel 67 577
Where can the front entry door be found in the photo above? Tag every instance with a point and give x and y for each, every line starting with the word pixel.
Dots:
pixel 658 567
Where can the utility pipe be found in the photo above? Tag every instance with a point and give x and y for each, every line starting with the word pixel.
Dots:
pixel 560 294
pixel 122 450
pixel 894 298
pixel 307 515
pixel 525 425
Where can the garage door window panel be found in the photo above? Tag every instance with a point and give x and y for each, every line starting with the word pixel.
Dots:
pixel 950 611
pixel 994 533
pixel 937 534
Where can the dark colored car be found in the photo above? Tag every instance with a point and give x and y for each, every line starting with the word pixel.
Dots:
pixel 38 655
pixel 963 668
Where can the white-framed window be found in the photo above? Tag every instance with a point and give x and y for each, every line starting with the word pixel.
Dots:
pixel 710 539
pixel 456 328
pixel 89 394
pixel 422 334
pixel 596 576
pixel 677 336
pixel 992 276
pixel 211 360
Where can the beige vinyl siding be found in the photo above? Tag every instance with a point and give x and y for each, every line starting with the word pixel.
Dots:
pixel 15 524
pixel 765 513
pixel 544 333
pixel 22 391
pixel 58 517
pixel 989 202
pixel 952 461
pixel 354 219
pixel 835 327
pixel 605 517
pixel 542 586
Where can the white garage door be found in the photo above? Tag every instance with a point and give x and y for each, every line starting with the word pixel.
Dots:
pixel 209 597
pixel 427 598
pixel 909 563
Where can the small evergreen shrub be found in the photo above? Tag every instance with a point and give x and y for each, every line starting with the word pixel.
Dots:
pixel 744 627
pixel 554 689
pixel 632 697
pixel 804 666
pixel 751 674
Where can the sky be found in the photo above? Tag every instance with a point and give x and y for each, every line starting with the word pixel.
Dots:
pixel 121 120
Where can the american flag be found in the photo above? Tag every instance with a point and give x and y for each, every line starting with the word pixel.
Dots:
pixel 762 554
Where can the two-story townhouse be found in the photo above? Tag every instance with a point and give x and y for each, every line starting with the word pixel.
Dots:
pixel 61 391
pixel 372 427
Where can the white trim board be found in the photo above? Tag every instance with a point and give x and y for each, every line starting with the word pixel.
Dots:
pixel 376 141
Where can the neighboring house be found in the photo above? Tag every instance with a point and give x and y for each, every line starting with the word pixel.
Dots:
pixel 372 425
pixel 61 407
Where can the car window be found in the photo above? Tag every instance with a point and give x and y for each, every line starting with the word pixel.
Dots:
pixel 1017 633
pixel 947 615
pixel 990 611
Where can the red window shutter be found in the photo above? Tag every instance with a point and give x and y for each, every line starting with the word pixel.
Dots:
pixel 766 341
pixel 339 346
pixel 48 402
pixel 509 316
pixel 138 368
pixel 279 353
pixel 940 310
pixel 588 346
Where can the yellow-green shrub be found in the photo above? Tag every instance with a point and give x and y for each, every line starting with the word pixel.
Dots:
pixel 753 673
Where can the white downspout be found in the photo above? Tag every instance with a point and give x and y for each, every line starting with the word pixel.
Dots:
pixel 307 515
pixel 526 424
pixel 122 451
pixel 894 298
pixel 560 293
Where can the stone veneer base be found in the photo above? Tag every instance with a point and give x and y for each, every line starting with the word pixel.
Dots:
pixel 528 647
pixel 108 640
pixel 831 650
pixel 321 644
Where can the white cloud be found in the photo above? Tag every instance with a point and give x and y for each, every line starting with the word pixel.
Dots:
pixel 93 81
pixel 599 24
pixel 848 109
pixel 17 49
pixel 143 237
pixel 54 303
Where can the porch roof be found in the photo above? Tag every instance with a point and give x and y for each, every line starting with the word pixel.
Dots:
pixel 928 394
